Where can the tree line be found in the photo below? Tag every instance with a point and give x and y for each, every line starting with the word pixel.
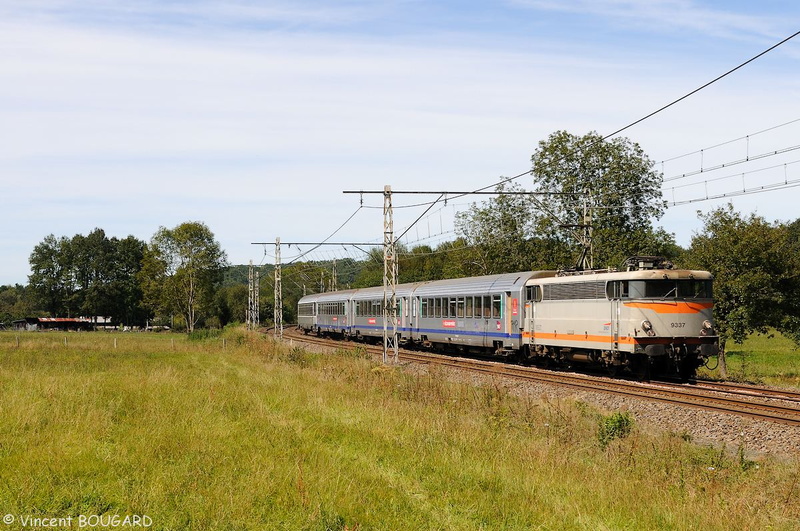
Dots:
pixel 182 278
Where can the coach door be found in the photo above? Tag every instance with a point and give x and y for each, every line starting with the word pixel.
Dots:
pixel 527 315
pixel 533 294
pixel 613 293
pixel 483 317
pixel 414 322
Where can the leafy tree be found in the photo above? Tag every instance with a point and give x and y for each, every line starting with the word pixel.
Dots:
pixel 499 232
pixel 231 304
pixel 181 268
pixel 124 292
pixel 371 273
pixel 615 180
pixel 14 303
pixel 51 280
pixel 88 275
pixel 755 267
pixel 501 235
pixel 92 259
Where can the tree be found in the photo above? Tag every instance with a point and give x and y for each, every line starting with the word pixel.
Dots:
pixel 14 303
pixel 124 290
pixel 88 275
pixel 92 257
pixel 230 304
pixel 180 270
pixel 51 280
pixel 615 180
pixel 498 232
pixel 755 268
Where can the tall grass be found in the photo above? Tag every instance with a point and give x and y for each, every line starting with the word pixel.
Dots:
pixel 257 435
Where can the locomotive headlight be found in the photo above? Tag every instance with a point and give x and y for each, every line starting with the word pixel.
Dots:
pixel 647 326
pixel 708 328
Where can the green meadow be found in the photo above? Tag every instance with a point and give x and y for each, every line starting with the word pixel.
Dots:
pixel 237 432
pixel 761 358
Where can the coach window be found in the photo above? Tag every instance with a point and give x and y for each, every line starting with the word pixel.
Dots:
pixel 437 308
pixel 468 309
pixel 497 306
pixel 460 308
pixel 478 307
pixel 423 307
pixel 487 307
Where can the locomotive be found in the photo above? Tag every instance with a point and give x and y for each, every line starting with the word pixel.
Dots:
pixel 646 319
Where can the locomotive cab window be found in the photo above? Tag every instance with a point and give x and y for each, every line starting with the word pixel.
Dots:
pixel 669 289
pixel 533 293
pixel 617 289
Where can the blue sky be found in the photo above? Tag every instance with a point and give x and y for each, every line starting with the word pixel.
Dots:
pixel 253 117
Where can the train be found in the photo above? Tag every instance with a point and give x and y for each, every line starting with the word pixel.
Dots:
pixel 646 319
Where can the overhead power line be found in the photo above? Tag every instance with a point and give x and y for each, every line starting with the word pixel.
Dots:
pixel 484 190
pixel 751 191
pixel 785 165
pixel 732 163
pixel 698 89
pixel 721 144
pixel 628 126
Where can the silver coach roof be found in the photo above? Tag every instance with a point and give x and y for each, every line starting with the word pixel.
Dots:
pixel 401 290
pixel 328 296
pixel 486 284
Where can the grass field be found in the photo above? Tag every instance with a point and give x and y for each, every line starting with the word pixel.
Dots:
pixel 764 358
pixel 261 436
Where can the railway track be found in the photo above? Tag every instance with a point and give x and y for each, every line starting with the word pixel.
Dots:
pixel 747 390
pixel 746 401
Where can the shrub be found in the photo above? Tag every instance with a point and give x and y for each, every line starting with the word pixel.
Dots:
pixel 615 426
